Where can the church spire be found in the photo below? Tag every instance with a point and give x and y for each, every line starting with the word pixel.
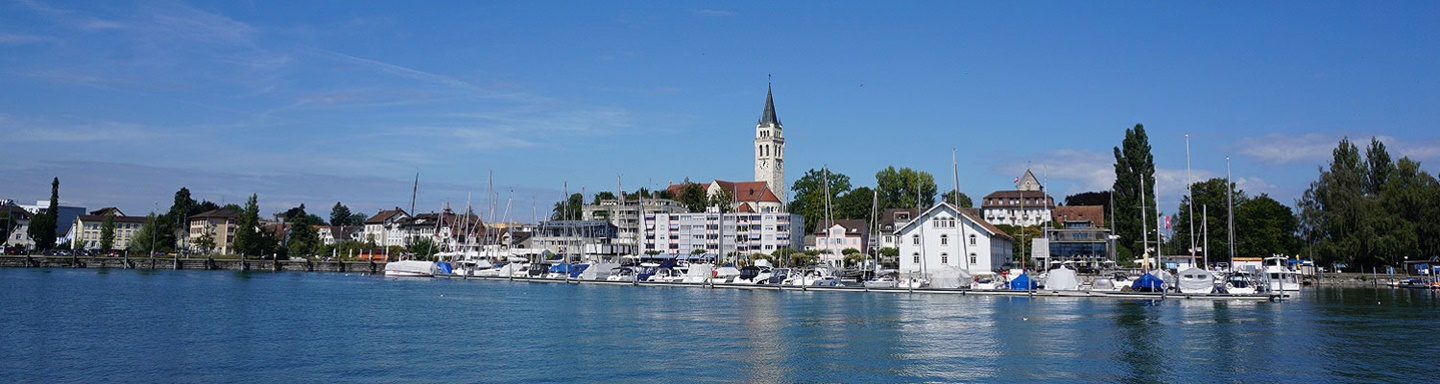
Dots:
pixel 769 118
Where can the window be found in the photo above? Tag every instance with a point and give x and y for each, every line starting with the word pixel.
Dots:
pixel 915 239
pixel 917 257
pixel 972 259
pixel 944 258
pixel 944 240
pixel 972 239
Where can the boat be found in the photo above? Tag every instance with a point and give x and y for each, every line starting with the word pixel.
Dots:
pixel 699 273
pixel 752 274
pixel 1022 282
pixel 411 268
pixel 1148 283
pixel 987 281
pixel 1196 280
pixel 725 274
pixel 820 275
pixel 1278 275
pixel 885 279
pixel 949 276
pixel 1241 283
pixel 1062 279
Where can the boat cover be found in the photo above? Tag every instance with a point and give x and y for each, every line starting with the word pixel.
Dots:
pixel 1022 282
pixel 1196 280
pixel 1148 283
pixel 949 276
pixel 1062 279
pixel 445 267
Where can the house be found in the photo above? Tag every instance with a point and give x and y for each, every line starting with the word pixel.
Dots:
pixel 745 196
pixel 17 220
pixel 1081 239
pixel 64 218
pixel 213 231
pixel 332 234
pixel 945 235
pixel 625 215
pixel 86 232
pixel 448 230
pixel 384 228
pixel 723 233
pixel 832 238
pixel 893 219
pixel 1027 205
pixel 575 237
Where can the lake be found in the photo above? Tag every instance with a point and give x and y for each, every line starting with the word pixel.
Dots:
pixel 88 325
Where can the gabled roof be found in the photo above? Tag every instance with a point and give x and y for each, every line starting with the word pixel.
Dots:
pixel 768 117
pixel 749 191
pixel 991 228
pixel 744 208
pixel 855 226
pixel 118 218
pixel 887 221
pixel 16 212
pixel 217 213
pixel 1095 214
pixel 103 211
pixel 1004 197
pixel 384 215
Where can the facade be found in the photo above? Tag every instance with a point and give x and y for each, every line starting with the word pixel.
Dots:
pixel 890 221
pixel 577 237
pixel 1027 206
pixel 385 228
pixel 717 233
pixel 944 235
pixel 1082 238
pixel 20 218
pixel 625 216
pixel 834 237
pixel 217 226
pixel 770 148
pixel 745 196
pixel 449 231
pixel 64 220
pixel 331 234
pixel 85 233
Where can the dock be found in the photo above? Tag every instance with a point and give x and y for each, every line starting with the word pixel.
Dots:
pixel 206 264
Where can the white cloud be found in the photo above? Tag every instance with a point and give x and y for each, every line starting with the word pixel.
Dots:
pixel 1278 148
pixel 101 132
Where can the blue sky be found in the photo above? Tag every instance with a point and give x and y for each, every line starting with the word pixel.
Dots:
pixel 316 102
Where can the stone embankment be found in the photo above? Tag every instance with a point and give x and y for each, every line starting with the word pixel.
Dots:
pixel 36 261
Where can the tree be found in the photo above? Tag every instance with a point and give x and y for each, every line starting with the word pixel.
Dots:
pixel 855 204
pixel 721 200
pixel 107 231
pixel 568 209
pixel 206 242
pixel 1210 207
pixel 693 197
pixel 810 194
pixel 340 215
pixel 302 240
pixel 248 239
pixel 43 226
pixel 7 225
pixel 1101 198
pixel 1133 163
pixel 144 238
pixel 422 248
pixel 1265 227
pixel 950 197
pixel 901 188
pixel 358 218
pixel 603 195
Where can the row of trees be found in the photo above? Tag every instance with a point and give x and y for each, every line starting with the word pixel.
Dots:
pixel 1371 211
pixel 162 233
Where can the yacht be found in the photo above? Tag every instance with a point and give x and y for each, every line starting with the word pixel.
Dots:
pixel 411 268
pixel 1278 275
pixel 1196 280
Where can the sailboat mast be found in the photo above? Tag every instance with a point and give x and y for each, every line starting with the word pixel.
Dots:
pixel 1230 212
pixel 959 219
pixel 1190 194
pixel 414 191
pixel 1205 220
pixel 1144 228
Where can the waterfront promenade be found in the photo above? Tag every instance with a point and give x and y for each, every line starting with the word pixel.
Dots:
pixel 233 264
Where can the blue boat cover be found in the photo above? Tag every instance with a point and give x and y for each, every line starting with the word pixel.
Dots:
pixel 1148 283
pixel 1022 283
pixel 444 267
pixel 576 270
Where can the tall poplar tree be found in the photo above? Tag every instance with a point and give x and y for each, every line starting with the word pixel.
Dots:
pixel 1133 162
pixel 248 241
pixel 107 231
pixel 43 226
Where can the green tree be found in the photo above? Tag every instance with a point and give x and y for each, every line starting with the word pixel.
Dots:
pixel 107 232
pixel 693 197
pixel 1211 213
pixel 43 226
pixel 340 215
pixel 1265 227
pixel 809 194
pixel 568 209
pixel 302 240
pixel 721 200
pixel 248 238
pixel 422 248
pixel 144 238
pixel 603 195
pixel 7 224
pixel 206 242
pixel 1133 163
pixel 950 197
pixel 855 204
pixel 901 188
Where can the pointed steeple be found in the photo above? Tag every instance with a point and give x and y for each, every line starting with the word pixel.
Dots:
pixel 769 118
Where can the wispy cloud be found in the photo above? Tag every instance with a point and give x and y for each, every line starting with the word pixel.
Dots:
pixel 1278 148
pixel 24 131
pixel 21 39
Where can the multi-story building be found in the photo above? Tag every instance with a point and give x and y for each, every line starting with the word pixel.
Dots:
pixel 17 219
pixel 625 216
pixel 448 230
pixel 87 230
pixel 722 234
pixel 945 235
pixel 384 229
pixel 213 231
pixel 592 238
pixel 832 238
pixel 1026 206
pixel 1081 239
pixel 331 234
pixel 891 220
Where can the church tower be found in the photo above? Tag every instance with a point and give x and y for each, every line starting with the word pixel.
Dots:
pixel 770 149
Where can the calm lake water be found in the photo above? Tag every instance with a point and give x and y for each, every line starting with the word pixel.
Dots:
pixel 64 325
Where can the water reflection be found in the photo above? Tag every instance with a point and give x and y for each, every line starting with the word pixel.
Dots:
pixel 1142 356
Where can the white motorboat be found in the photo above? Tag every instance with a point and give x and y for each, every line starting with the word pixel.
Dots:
pixel 1062 279
pixel 1241 283
pixel 887 279
pixel 987 281
pixel 1278 275
pixel 411 268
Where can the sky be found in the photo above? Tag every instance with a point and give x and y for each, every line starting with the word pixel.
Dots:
pixel 318 102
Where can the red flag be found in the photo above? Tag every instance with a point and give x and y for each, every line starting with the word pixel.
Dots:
pixel 1167 222
pixel 1017 179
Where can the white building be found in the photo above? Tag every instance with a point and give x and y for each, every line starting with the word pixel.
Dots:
pixel 1027 206
pixel 385 228
pixel 20 218
pixel 834 237
pixel 717 233
pixel 770 150
pixel 86 232
pixel 944 235
pixel 625 216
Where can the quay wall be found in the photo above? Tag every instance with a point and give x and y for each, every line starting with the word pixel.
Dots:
pixel 38 261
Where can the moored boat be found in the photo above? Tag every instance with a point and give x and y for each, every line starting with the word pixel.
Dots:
pixel 411 268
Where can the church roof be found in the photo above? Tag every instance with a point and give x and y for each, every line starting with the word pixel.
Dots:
pixel 768 117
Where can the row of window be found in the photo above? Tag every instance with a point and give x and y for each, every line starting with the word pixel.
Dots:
pixel 945 258
pixel 944 239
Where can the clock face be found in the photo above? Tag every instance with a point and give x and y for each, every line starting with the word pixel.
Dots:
pixel 764 164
